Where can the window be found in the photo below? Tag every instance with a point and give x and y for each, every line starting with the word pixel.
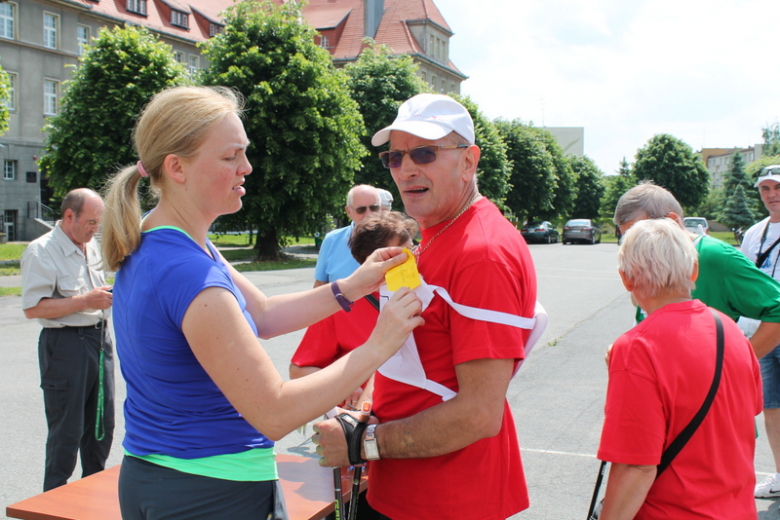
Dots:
pixel 82 35
pixel 424 76
pixel 50 89
pixel 325 41
pixel 10 101
pixel 194 61
pixel 433 82
pixel 179 19
pixel 9 170
pixel 430 44
pixel 136 6
pixel 50 25
pixel 214 29
pixel 443 86
pixel 178 56
pixel 32 177
pixel 7 19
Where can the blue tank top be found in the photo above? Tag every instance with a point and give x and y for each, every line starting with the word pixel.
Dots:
pixel 172 407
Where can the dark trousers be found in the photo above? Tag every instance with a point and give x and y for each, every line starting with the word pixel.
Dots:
pixel 69 362
pixel 151 492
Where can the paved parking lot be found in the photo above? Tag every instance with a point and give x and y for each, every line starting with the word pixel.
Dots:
pixel 557 398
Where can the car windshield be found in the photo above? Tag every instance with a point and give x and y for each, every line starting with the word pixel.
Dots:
pixel 578 223
pixel 533 224
pixel 694 222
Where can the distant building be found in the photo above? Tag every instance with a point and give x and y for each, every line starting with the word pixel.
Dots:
pixel 413 27
pixel 570 138
pixel 718 160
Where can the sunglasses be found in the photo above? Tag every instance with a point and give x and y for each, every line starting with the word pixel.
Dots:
pixel 362 209
pixel 420 155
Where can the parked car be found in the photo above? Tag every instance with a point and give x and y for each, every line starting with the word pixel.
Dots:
pixel 536 231
pixel 692 224
pixel 581 230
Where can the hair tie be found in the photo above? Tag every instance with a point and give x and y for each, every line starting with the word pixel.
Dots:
pixel 139 165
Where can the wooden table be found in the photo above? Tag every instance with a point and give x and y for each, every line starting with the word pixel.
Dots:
pixel 308 492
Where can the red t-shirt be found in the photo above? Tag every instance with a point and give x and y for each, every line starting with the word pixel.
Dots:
pixel 483 262
pixel 659 374
pixel 340 333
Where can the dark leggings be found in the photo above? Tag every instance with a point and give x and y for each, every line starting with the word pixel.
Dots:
pixel 151 492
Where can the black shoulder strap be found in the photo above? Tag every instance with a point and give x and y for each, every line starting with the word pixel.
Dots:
pixel 373 301
pixel 682 439
pixel 763 255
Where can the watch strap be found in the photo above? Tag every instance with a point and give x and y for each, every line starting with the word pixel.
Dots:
pixel 370 444
pixel 353 432
pixel 345 303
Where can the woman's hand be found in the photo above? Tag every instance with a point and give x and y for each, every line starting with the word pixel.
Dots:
pixel 371 274
pixel 399 317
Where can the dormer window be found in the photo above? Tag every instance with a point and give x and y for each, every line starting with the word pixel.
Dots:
pixel 325 41
pixel 214 29
pixel 137 6
pixel 179 19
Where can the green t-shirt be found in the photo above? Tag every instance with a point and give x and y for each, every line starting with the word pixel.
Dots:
pixel 729 282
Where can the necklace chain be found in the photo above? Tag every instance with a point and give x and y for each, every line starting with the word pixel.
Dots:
pixel 419 250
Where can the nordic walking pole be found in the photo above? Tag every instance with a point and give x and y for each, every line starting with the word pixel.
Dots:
pixel 365 415
pixel 599 479
pixel 338 505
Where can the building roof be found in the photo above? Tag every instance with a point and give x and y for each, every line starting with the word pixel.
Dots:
pixel 394 28
pixel 158 16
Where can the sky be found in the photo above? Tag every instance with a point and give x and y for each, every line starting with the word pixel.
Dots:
pixel 704 71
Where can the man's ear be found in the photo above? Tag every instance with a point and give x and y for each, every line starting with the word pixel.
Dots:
pixel 470 161
pixel 677 218
pixel 69 216
pixel 174 166
pixel 695 274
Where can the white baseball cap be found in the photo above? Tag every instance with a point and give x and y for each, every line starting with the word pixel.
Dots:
pixel 770 173
pixel 429 116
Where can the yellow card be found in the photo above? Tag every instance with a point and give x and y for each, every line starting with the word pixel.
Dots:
pixel 405 275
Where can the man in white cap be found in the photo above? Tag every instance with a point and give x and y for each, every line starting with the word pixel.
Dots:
pixel 761 244
pixel 387 199
pixel 455 458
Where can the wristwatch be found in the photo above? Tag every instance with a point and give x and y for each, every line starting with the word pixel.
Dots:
pixel 343 301
pixel 370 445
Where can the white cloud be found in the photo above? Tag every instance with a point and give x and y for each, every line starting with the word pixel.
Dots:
pixel 703 71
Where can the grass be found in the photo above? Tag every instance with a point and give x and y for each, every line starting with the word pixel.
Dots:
pixel 10 291
pixel 243 240
pixel 11 251
pixel 295 263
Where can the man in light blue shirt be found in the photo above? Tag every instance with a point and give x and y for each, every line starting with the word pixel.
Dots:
pixel 335 259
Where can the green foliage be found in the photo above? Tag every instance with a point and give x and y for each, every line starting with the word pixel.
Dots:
pixel 736 175
pixel 737 212
pixel 379 82
pixel 616 186
pixel 771 136
pixel 91 136
pixel 533 173
pixel 12 251
pixel 565 190
pixel 303 126
pixel 590 188
pixel 713 205
pixel 5 93
pixel 671 163
pixel 494 168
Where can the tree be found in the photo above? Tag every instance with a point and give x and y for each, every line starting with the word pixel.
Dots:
pixel 565 190
pixel 590 187
pixel 533 170
pixel 671 163
pixel 91 137
pixel 738 213
pixel 5 93
pixel 771 136
pixel 379 82
pixel 494 168
pixel 302 123
pixel 736 175
pixel 616 186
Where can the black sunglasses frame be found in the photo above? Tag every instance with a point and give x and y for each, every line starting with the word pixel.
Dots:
pixel 418 155
pixel 362 209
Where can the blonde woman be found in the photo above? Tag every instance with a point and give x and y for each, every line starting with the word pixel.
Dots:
pixel 204 402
